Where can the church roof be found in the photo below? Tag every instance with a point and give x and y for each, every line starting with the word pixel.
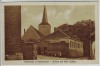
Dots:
pixel 57 34
pixel 60 34
pixel 32 34
pixel 44 19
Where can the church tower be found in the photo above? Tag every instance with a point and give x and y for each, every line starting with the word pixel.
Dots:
pixel 44 27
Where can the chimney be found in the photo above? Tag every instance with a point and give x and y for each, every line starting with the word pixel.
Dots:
pixel 55 29
pixel 24 31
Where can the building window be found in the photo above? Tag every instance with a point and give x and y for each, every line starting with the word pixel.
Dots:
pixel 81 46
pixel 75 45
pixel 78 45
pixel 70 44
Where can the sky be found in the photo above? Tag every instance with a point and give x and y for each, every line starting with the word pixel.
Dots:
pixel 56 14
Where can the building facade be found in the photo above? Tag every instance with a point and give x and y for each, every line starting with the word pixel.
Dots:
pixel 53 44
pixel 61 45
pixel 30 40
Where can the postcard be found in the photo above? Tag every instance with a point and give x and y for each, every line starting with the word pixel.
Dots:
pixel 49 33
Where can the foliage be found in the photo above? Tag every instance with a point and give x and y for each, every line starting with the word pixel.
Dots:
pixel 83 30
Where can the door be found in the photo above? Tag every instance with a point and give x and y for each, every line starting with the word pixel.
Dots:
pixel 39 50
pixel 27 52
pixel 45 50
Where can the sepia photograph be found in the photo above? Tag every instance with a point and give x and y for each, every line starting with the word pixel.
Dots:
pixel 51 32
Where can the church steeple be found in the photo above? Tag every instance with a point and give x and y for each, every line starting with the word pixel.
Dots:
pixel 44 27
pixel 44 18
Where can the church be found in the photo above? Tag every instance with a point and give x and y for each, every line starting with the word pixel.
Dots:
pixel 53 44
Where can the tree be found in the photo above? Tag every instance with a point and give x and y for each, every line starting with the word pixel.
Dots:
pixel 82 30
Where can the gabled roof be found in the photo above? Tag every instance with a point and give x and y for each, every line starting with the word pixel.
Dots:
pixel 32 34
pixel 57 34
pixel 67 29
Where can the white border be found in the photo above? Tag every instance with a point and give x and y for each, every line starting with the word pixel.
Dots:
pixel 43 0
pixel 21 62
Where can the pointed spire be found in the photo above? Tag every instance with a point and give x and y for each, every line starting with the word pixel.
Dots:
pixel 44 19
